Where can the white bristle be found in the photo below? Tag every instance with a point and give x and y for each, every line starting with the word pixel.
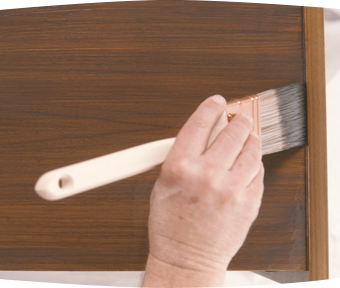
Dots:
pixel 283 118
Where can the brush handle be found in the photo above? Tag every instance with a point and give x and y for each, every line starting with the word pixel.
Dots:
pixel 83 176
pixel 96 172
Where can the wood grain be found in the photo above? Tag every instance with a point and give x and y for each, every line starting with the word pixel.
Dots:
pixel 80 81
pixel 317 143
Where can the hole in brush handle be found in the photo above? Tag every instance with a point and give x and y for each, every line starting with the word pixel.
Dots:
pixel 65 182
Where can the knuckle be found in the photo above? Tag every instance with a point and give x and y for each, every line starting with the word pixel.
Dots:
pixel 238 184
pixel 199 123
pixel 231 137
pixel 237 199
pixel 242 123
pixel 211 180
pixel 235 185
pixel 252 156
pixel 179 169
pixel 205 117
pixel 208 177
pixel 246 123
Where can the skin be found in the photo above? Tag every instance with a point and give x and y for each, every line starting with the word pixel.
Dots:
pixel 204 201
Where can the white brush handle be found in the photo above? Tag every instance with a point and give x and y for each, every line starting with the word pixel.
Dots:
pixel 86 175
pixel 80 177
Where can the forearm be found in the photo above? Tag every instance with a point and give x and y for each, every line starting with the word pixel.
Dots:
pixel 161 274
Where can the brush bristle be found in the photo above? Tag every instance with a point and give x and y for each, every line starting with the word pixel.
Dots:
pixel 283 118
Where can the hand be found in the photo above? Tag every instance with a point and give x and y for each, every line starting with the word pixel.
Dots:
pixel 204 200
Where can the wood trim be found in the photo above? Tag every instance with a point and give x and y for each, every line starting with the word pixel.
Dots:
pixel 317 143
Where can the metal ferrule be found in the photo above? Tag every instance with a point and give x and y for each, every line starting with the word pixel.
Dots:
pixel 248 104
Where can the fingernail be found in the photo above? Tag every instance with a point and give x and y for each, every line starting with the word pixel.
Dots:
pixel 255 134
pixel 248 117
pixel 218 99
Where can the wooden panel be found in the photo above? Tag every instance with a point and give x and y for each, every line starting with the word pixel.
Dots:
pixel 80 81
pixel 278 236
pixel 317 143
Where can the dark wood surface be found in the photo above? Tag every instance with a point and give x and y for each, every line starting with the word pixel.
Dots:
pixel 81 81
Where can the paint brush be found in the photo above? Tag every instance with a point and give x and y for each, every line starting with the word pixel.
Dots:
pixel 279 120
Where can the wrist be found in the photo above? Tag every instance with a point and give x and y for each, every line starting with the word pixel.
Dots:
pixel 188 255
pixel 161 274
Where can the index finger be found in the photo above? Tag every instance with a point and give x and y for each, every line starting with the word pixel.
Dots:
pixel 229 143
pixel 192 139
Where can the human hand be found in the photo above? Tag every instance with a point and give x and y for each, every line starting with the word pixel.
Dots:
pixel 205 200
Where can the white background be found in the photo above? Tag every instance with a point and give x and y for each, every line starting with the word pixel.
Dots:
pixel 332 42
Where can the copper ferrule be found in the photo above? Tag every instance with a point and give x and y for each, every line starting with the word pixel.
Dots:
pixel 248 104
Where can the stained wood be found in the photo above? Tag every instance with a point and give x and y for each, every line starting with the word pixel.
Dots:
pixel 80 81
pixel 318 263
pixel 282 215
